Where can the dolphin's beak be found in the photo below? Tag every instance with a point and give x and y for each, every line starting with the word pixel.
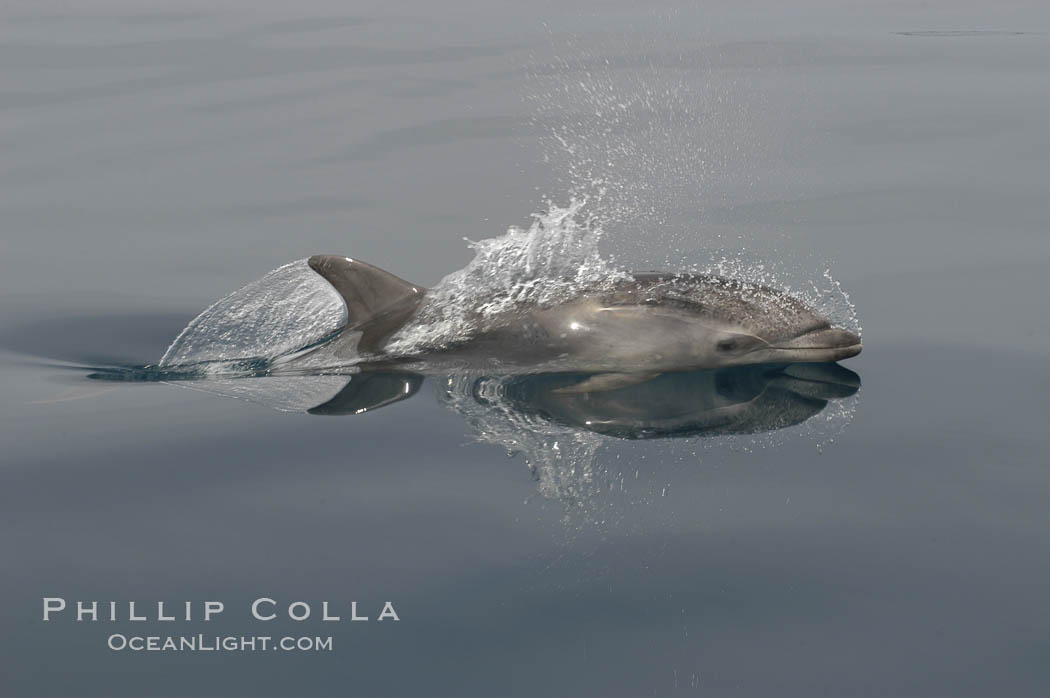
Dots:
pixel 819 345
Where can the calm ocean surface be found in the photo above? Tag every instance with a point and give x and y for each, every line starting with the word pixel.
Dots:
pixel 158 156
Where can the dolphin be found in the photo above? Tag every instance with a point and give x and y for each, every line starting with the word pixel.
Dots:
pixel 647 324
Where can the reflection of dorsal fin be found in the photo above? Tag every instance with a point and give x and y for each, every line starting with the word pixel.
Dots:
pixel 370 391
pixel 377 302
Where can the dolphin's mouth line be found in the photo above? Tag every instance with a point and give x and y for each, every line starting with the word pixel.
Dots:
pixel 816 347
pixel 827 352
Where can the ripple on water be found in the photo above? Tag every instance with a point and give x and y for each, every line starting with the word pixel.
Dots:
pixel 970 32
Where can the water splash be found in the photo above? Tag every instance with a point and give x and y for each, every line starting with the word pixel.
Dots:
pixel 651 140
pixel 650 136
pixel 563 460
pixel 285 311
pixel 551 261
pixel 583 471
pixel 822 292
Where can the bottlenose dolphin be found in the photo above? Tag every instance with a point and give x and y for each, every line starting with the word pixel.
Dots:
pixel 642 326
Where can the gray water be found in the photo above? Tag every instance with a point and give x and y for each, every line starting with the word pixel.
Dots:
pixel 155 159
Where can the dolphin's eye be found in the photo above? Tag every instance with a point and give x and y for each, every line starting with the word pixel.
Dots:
pixel 738 343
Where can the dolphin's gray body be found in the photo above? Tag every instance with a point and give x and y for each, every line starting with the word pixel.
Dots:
pixel 643 326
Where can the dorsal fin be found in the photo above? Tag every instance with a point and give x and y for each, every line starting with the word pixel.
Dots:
pixel 377 302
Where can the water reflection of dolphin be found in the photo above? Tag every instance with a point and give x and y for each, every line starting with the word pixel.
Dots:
pixel 736 400
pixel 644 325
pixel 732 400
pixel 555 420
